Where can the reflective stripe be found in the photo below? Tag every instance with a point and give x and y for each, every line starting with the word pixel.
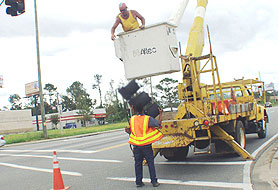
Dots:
pixel 132 125
pixel 146 123
pixel 150 137
pixel 200 12
pixel 147 141
pixel 146 136
pixel 55 165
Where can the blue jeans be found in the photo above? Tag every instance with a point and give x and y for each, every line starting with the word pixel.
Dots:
pixel 141 152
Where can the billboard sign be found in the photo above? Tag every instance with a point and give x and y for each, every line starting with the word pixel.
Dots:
pixel 32 88
pixel 269 87
pixel 1 81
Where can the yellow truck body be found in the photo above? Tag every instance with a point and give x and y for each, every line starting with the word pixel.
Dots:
pixel 202 121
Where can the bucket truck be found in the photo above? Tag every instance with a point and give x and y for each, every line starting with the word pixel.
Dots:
pixel 219 114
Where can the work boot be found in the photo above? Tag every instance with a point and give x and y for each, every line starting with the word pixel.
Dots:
pixel 140 185
pixel 156 184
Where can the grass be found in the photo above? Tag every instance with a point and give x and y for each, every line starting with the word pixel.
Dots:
pixel 38 135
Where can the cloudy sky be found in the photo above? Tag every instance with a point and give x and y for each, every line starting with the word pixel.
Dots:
pixel 75 41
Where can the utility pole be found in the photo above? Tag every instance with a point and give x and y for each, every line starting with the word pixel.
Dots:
pixel 36 110
pixel 39 73
pixel 60 112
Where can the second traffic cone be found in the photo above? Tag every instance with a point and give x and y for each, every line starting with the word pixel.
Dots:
pixel 58 183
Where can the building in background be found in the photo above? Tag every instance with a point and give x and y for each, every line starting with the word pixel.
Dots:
pixel 16 121
pixel 72 119
pixel 19 121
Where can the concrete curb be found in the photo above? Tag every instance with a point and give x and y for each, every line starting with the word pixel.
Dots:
pixel 69 137
pixel 264 173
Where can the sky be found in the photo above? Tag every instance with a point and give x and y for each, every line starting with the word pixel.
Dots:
pixel 75 41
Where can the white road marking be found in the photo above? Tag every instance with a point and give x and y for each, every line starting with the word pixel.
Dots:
pixel 247 166
pixel 203 163
pixel 247 174
pixel 189 183
pixel 63 158
pixel 90 160
pixel 72 139
pixel 57 150
pixel 92 142
pixel 39 169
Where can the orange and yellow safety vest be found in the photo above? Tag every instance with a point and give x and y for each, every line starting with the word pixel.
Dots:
pixel 130 23
pixel 141 133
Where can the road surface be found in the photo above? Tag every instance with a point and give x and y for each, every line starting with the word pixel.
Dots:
pixel 104 161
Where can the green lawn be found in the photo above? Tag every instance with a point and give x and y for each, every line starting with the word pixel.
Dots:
pixel 38 135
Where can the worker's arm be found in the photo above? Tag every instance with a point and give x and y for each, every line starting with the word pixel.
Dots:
pixel 156 123
pixel 116 24
pixel 137 15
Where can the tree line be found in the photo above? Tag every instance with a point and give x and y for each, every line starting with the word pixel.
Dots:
pixel 165 94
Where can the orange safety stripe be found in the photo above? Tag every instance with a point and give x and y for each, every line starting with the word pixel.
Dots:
pixel 132 125
pixel 147 141
pixel 144 137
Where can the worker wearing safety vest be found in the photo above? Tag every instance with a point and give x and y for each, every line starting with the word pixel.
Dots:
pixel 143 134
pixel 128 20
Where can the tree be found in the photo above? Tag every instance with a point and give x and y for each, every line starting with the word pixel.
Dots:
pixel 53 102
pixel 51 91
pixel 67 104
pixel 84 110
pixel 54 120
pixel 15 100
pixel 76 94
pixel 168 92
pixel 96 85
pixel 114 109
pixel 31 105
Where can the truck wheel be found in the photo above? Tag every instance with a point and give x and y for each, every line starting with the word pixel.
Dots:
pixel 240 137
pixel 202 144
pixel 178 154
pixel 262 129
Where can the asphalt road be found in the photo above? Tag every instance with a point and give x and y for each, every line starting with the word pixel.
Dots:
pixel 104 161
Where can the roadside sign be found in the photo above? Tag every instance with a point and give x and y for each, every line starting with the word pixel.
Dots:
pixel 1 81
pixel 269 87
pixel 32 88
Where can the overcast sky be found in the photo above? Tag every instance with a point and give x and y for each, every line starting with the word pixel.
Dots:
pixel 75 41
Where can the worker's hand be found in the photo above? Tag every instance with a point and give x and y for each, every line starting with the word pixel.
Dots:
pixel 127 130
pixel 113 37
pixel 142 26
pixel 160 110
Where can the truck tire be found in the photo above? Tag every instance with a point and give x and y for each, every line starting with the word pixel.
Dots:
pixel 262 129
pixel 240 136
pixel 202 144
pixel 178 154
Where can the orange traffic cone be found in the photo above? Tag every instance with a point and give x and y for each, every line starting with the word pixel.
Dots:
pixel 58 183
